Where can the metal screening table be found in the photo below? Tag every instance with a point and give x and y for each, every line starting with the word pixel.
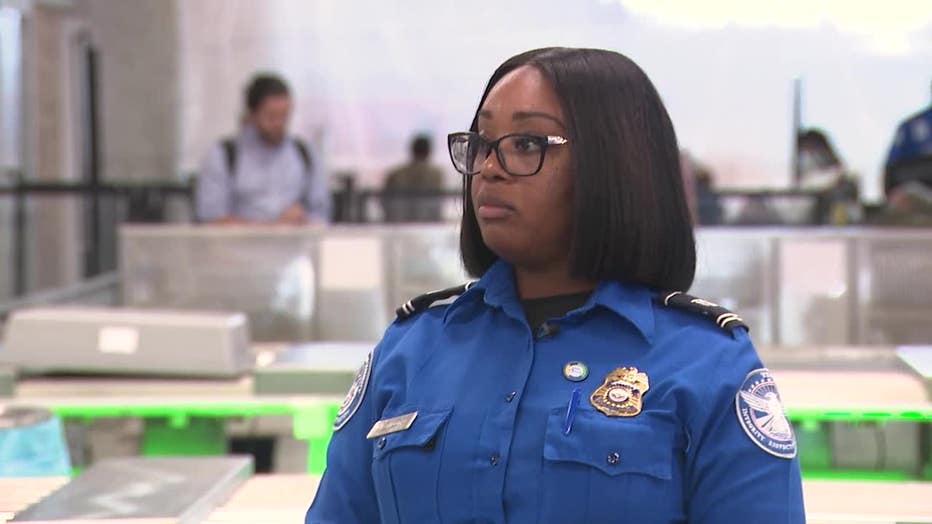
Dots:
pixel 835 389
pixel 792 286
pixel 184 416
pixel 275 499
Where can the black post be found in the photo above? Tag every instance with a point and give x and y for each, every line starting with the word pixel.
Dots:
pixel 797 123
pixel 19 238
pixel 92 265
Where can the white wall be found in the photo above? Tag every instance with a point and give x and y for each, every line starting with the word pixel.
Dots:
pixel 369 73
pixel 138 87
pixel 137 43
pixel 10 82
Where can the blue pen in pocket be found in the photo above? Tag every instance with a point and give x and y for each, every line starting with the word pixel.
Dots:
pixel 571 412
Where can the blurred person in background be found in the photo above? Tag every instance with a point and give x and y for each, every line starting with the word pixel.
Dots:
pixel 824 173
pixel 406 192
pixel 263 175
pixel 819 164
pixel 821 174
pixel 564 386
pixel 908 173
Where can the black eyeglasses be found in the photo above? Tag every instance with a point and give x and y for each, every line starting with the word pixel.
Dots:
pixel 518 154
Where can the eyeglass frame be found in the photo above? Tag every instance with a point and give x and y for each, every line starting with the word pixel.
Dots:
pixel 545 142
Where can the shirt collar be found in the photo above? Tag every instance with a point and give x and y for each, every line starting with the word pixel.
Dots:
pixel 497 289
pixel 250 138
pixel 630 301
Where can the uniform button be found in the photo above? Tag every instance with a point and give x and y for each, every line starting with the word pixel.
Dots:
pixel 381 443
pixel 613 458
pixel 546 330
pixel 511 396
pixel 493 460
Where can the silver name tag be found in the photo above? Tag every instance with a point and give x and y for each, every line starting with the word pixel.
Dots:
pixel 392 425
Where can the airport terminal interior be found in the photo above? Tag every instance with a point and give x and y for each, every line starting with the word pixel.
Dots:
pixel 211 211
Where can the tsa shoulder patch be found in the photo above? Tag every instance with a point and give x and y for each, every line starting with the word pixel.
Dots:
pixel 355 395
pixel 760 413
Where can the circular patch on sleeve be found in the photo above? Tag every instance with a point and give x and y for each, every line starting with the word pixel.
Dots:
pixel 355 395
pixel 761 415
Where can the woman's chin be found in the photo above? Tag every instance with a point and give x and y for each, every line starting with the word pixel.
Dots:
pixel 499 239
pixel 508 247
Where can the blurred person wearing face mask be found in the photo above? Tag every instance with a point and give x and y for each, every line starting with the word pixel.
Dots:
pixel 262 175
pixel 824 173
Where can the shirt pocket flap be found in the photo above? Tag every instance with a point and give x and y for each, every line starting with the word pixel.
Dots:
pixel 611 445
pixel 421 434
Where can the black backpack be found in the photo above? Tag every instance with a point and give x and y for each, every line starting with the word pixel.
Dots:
pixel 229 148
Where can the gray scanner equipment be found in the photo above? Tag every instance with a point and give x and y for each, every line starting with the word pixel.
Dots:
pixel 126 341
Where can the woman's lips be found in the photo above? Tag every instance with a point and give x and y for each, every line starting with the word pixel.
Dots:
pixel 490 211
pixel 493 208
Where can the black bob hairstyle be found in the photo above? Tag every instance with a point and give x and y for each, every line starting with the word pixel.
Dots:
pixel 631 221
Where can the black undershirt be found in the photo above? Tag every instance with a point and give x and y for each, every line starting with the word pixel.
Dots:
pixel 539 310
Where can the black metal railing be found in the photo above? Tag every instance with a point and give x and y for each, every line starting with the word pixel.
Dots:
pixel 106 204
pixel 128 202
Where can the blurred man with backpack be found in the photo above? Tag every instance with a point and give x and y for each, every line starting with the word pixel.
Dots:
pixel 263 175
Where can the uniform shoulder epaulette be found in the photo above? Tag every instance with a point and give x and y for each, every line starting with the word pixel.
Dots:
pixel 426 300
pixel 722 316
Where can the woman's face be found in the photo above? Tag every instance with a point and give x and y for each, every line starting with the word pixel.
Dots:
pixel 525 220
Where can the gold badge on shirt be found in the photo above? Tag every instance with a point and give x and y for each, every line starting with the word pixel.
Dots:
pixel 621 392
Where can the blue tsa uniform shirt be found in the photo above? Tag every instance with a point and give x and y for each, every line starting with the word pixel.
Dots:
pixel 913 139
pixel 631 408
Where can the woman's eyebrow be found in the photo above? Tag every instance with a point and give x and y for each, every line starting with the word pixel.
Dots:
pixel 525 115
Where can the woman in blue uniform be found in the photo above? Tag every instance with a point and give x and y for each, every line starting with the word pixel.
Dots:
pixel 570 383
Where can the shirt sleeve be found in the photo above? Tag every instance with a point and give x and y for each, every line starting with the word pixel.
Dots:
pixel 730 477
pixel 214 194
pixel 317 197
pixel 346 494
